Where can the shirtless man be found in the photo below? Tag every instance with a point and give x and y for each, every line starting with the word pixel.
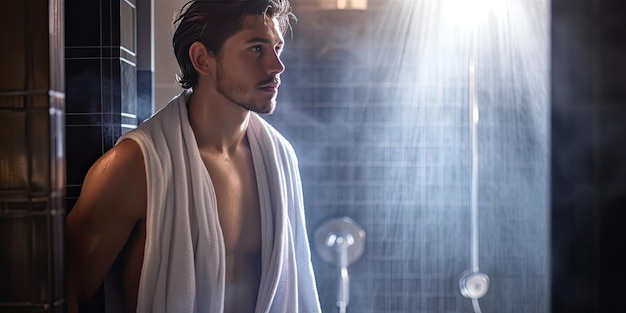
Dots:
pixel 229 54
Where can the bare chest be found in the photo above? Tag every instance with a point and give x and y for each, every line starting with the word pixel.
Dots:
pixel 234 181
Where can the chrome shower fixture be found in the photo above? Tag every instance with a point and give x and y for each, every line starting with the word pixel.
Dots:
pixel 340 241
pixel 474 285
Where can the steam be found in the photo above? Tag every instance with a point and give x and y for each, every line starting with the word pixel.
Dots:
pixel 376 105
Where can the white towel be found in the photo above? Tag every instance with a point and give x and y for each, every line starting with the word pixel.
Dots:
pixel 184 259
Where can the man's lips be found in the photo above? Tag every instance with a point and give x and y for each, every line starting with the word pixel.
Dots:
pixel 271 87
pixel 272 83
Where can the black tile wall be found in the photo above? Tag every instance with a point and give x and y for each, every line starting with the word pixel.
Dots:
pixel 128 27
pixel 90 140
pixel 101 80
pixel 84 84
pixel 145 94
pixel 128 92
pixel 82 28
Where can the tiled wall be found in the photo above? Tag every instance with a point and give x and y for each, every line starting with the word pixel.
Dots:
pixel 101 78
pixel 588 155
pixel 145 59
pixel 376 105
pixel 109 84
pixel 32 162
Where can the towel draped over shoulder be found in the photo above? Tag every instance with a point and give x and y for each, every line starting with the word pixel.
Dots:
pixel 184 257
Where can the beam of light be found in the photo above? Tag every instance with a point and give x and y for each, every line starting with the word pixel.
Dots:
pixel 471 12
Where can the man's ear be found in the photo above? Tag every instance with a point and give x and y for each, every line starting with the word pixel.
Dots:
pixel 203 60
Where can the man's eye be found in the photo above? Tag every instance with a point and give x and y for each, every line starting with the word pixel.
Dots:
pixel 256 49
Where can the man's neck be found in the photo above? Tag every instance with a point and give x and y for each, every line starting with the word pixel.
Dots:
pixel 218 124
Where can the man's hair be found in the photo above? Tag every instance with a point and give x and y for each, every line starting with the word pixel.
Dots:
pixel 211 22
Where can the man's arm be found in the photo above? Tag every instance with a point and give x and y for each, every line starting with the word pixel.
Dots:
pixel 112 200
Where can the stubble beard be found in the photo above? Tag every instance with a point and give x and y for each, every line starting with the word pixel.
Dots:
pixel 236 93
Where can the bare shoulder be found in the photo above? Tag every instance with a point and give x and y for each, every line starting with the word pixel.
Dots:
pixel 111 202
pixel 117 180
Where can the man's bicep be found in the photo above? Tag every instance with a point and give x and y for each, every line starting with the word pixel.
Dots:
pixel 111 202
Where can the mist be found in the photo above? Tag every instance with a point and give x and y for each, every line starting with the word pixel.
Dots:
pixel 377 104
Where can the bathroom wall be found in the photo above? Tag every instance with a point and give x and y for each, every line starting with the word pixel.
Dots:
pixel 375 103
pixel 165 86
pixel 109 79
pixel 414 255
pixel 101 78
pixel 32 160
pixel 109 76
pixel 588 155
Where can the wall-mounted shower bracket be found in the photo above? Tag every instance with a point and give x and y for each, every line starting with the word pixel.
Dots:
pixel 340 241
pixel 474 285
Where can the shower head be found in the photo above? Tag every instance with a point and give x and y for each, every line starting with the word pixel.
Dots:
pixel 339 233
pixel 340 241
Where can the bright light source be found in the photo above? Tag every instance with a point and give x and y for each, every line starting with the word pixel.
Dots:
pixel 471 12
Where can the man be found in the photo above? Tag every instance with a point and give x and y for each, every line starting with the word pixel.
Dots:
pixel 200 208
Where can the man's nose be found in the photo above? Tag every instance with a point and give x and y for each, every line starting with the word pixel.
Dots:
pixel 276 65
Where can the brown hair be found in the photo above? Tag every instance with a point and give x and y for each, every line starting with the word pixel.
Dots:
pixel 211 22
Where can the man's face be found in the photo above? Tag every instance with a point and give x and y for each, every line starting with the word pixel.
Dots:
pixel 249 65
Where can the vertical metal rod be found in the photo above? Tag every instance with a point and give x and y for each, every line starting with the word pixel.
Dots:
pixel 473 120
pixel 343 283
